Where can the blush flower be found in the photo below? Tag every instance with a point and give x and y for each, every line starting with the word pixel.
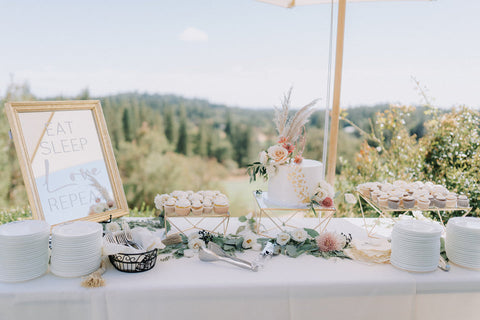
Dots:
pixel 278 154
pixel 298 159
pixel 282 139
pixel 330 241
pixel 290 147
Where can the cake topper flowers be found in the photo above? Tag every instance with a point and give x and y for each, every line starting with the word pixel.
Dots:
pixel 290 140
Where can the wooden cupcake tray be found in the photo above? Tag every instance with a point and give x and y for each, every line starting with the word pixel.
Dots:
pixel 385 212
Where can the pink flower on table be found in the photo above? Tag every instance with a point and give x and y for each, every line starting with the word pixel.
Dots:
pixel 330 241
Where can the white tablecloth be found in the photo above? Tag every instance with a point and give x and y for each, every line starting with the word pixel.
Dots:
pixel 287 288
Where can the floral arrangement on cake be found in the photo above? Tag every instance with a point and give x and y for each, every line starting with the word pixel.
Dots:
pixel 323 196
pixel 290 140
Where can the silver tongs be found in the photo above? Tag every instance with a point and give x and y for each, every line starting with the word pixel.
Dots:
pixel 215 253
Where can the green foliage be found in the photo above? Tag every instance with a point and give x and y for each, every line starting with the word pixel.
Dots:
pixel 453 153
pixel 448 153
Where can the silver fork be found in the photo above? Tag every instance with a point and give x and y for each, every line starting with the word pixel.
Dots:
pixel 128 235
pixel 110 238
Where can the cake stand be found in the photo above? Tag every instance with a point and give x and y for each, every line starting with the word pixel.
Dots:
pixel 385 212
pixel 211 222
pixel 272 219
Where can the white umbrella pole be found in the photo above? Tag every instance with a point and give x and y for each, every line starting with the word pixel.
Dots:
pixel 327 97
pixel 332 150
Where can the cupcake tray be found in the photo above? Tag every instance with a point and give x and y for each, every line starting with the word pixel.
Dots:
pixel 385 212
pixel 274 219
pixel 211 222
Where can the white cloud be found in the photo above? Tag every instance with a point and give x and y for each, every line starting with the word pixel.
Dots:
pixel 193 35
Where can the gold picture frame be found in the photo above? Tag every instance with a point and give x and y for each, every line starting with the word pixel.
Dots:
pixel 67 161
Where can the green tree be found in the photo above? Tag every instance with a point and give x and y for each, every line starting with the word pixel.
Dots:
pixel 126 124
pixel 182 142
pixel 169 124
pixel 201 141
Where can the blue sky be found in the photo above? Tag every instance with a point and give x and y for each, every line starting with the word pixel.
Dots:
pixel 242 52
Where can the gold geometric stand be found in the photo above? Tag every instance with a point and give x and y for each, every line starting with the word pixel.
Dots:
pixel 182 224
pixel 284 219
pixel 385 212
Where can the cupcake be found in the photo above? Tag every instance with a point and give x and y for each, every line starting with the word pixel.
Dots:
pixel 197 207
pixel 196 197
pixel 364 189
pixel 451 200
pixel 169 205
pixel 408 202
pixel 440 201
pixel 178 194
pixel 423 203
pixel 220 206
pixel 375 195
pixel 433 203
pixel 182 207
pixel 207 205
pixel 383 200
pixel 463 201
pixel 393 202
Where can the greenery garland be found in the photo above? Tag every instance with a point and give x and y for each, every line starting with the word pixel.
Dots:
pixel 232 243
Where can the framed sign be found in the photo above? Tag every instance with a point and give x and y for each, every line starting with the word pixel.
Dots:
pixel 67 160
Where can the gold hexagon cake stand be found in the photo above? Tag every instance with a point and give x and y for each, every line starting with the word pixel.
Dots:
pixel 272 220
pixel 210 222
pixel 385 212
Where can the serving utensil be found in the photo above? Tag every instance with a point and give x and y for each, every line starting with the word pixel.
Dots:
pixel 207 254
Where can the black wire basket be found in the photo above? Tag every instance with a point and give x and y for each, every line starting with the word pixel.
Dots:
pixel 134 262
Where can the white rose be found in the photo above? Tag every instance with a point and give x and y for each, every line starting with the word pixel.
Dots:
pixel 249 239
pixel 263 157
pixel 327 187
pixel 299 235
pixel 283 238
pixel 278 153
pixel 320 195
pixel 195 244
pixel 350 198
pixel 158 202
pixel 271 170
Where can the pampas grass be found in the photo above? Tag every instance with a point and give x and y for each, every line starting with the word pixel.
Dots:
pixel 292 129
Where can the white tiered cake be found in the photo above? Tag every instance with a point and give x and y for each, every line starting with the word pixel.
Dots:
pixel 293 185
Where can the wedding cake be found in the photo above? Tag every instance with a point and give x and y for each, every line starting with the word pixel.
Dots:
pixel 293 182
pixel 293 185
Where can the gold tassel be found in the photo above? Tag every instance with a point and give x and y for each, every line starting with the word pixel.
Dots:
pixel 95 279
pixel 172 239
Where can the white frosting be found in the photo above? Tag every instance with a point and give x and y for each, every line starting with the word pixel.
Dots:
pixel 294 184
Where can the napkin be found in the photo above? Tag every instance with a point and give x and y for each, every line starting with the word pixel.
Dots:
pixel 144 237
pixel 372 250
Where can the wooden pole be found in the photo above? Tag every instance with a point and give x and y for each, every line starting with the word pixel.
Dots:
pixel 332 148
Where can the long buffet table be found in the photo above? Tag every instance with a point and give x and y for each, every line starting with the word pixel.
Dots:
pixel 287 288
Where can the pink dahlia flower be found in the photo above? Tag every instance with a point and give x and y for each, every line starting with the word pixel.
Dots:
pixel 330 241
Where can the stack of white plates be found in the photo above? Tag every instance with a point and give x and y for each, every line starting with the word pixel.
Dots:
pixel 416 245
pixel 76 248
pixel 24 250
pixel 463 241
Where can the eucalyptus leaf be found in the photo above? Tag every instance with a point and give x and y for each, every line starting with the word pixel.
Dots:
pixel 311 232
pixel 242 219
